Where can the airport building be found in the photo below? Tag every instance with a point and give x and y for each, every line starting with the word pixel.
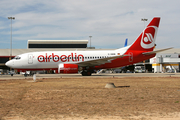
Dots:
pixel 166 61
pixel 57 43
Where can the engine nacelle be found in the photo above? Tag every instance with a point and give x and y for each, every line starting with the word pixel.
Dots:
pixel 67 68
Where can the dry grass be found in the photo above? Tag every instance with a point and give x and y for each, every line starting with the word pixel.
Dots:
pixel 78 97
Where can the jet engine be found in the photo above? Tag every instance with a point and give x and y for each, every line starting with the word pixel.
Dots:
pixel 67 68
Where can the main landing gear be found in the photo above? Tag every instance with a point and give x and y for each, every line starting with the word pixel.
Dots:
pixel 86 73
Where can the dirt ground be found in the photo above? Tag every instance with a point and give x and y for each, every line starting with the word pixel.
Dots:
pixel 134 98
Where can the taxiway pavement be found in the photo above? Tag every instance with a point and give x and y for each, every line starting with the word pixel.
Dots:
pixel 102 75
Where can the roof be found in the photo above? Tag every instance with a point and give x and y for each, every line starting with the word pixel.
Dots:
pixel 57 41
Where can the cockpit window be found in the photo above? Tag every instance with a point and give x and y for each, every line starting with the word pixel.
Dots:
pixel 17 58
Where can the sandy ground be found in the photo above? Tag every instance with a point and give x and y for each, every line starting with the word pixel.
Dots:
pixel 134 98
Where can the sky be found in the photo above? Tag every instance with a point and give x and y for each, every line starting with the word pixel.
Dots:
pixel 109 22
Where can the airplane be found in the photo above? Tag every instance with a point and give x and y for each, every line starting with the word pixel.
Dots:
pixel 68 62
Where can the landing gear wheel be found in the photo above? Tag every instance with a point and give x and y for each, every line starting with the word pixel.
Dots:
pixel 86 73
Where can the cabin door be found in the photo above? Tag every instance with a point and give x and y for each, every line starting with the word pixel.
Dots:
pixel 30 59
pixel 130 57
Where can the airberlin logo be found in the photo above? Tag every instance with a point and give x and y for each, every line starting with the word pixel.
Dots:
pixel 64 58
pixel 148 37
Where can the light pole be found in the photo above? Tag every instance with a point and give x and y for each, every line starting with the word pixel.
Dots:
pixel 11 18
pixel 144 19
pixel 90 40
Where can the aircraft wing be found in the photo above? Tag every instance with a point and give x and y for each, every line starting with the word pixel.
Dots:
pixel 98 61
pixel 156 51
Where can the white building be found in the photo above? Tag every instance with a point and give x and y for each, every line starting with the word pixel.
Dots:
pixel 167 61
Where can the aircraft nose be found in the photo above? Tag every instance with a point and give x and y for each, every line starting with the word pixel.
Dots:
pixel 9 63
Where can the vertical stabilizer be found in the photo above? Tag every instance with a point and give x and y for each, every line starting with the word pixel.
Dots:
pixel 146 40
pixel 126 42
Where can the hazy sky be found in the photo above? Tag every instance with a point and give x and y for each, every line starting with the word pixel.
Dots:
pixel 109 22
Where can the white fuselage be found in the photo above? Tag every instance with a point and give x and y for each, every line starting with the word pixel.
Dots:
pixel 51 59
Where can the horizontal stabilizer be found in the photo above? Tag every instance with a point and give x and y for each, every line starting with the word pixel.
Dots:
pixel 156 51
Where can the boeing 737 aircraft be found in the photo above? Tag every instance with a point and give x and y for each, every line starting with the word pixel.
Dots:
pixel 88 61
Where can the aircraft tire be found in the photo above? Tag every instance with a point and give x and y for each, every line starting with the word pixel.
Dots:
pixel 84 73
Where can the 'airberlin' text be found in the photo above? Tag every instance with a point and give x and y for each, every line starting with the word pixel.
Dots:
pixel 64 58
